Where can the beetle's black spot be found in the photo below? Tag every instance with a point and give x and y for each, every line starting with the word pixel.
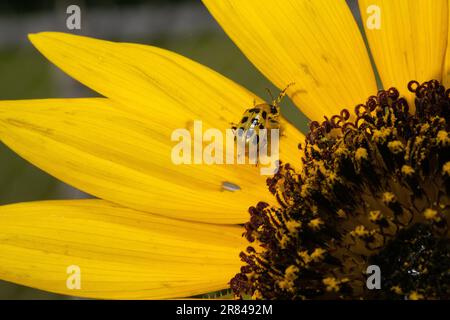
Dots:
pixel 261 126
pixel 255 110
pixel 244 119
pixel 264 115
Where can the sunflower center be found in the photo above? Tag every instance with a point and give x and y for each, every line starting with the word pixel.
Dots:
pixel 415 262
pixel 373 190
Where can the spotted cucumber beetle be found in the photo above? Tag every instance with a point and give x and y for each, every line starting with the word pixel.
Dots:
pixel 261 116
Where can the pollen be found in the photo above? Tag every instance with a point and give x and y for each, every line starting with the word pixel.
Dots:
pixel 414 295
pixel 407 170
pixel 375 215
pixel 257 295
pixel 306 258
pixel 318 254
pixel 380 135
pixel 360 231
pixel 361 154
pixel 446 168
pixel 290 276
pixel 397 290
pixel 373 189
pixel 388 197
pixel 431 214
pixel 341 213
pixel 396 147
pixel 315 223
pixel 443 139
pixel 332 284
pixel 293 225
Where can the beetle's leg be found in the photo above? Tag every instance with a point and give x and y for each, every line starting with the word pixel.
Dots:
pixel 273 122
pixel 281 131
pixel 233 127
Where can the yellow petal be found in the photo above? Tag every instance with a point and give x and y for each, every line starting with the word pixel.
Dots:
pixel 120 253
pixel 166 89
pixel 116 156
pixel 446 67
pixel 315 44
pixel 410 42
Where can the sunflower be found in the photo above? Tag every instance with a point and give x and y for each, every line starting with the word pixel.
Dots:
pixel 367 185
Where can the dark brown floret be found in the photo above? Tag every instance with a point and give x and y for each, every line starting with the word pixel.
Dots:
pixel 373 189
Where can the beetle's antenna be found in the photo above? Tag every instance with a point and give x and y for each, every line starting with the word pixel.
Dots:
pixel 282 94
pixel 270 93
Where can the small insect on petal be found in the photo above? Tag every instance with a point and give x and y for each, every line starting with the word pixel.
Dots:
pixel 228 186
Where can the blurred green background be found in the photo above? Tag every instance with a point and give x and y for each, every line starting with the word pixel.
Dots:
pixel 25 74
